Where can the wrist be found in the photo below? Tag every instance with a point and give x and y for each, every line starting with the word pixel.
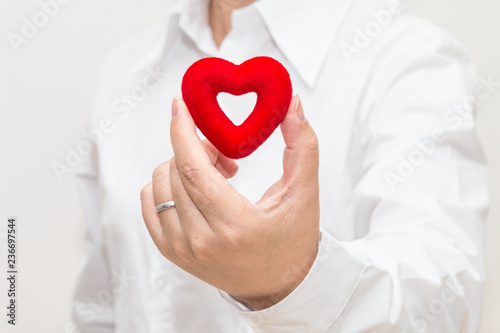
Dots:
pixel 263 302
pixel 292 278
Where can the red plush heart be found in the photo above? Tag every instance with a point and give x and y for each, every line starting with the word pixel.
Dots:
pixel 208 77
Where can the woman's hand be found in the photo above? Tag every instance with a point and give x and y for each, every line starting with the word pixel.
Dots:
pixel 258 253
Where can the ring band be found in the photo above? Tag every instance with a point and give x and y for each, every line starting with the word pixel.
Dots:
pixel 165 206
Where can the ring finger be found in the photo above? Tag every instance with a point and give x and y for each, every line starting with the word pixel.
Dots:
pixel 168 219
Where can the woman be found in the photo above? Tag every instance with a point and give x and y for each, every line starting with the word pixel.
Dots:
pixel 383 232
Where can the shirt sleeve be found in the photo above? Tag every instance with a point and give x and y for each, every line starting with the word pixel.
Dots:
pixel 422 192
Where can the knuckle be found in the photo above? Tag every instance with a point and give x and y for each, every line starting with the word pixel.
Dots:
pixel 161 170
pixel 239 239
pixel 167 252
pixel 314 142
pixel 202 251
pixel 165 247
pixel 145 192
pixel 191 173
pixel 181 251
pixel 212 191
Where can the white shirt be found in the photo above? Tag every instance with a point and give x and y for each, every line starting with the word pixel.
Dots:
pixel 403 181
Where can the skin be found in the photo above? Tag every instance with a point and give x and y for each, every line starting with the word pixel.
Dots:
pixel 220 17
pixel 258 253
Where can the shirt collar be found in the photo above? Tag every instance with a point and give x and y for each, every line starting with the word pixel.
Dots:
pixel 302 30
pixel 191 16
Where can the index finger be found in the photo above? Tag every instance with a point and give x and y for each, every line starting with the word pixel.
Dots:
pixel 206 186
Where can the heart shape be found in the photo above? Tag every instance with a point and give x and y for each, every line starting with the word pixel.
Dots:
pixel 208 77
pixel 237 108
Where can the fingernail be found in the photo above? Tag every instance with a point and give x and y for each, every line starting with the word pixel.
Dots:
pixel 299 109
pixel 175 107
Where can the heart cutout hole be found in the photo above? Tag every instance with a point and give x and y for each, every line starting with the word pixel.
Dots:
pixel 237 108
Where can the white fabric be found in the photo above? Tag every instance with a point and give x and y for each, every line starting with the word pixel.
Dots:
pixel 403 179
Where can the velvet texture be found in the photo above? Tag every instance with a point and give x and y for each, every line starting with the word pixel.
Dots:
pixel 208 77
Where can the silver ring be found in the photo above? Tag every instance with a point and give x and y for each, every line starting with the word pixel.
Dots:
pixel 165 206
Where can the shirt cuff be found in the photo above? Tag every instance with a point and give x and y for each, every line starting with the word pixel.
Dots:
pixel 319 300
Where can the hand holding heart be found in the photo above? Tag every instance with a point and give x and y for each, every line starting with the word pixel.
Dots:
pixel 258 253
pixel 207 77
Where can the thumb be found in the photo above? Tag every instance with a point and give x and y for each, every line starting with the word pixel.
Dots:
pixel 301 156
